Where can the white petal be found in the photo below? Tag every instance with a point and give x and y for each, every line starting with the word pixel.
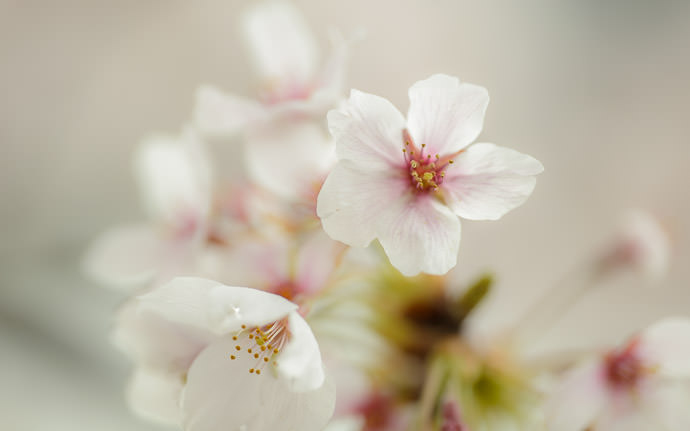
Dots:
pixel 156 342
pixel 487 181
pixel 216 113
pixel 351 201
pixel 346 423
pixel 155 395
pixel 668 405
pixel 445 114
pixel 290 158
pixel 419 234
pixel 210 305
pixel 299 363
pixel 667 345
pixel 222 394
pixel 125 257
pixel 578 400
pixel 368 131
pixel 175 179
pixel 282 45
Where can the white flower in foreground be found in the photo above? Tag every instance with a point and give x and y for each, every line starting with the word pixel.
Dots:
pixel 642 243
pixel 285 55
pixel 642 386
pixel 406 182
pixel 174 177
pixel 211 357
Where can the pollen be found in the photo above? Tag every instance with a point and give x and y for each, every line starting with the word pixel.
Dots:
pixel 426 171
pixel 261 345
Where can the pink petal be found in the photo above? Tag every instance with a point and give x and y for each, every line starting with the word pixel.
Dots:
pixel 368 131
pixel 351 201
pixel 487 181
pixel 445 114
pixel 419 234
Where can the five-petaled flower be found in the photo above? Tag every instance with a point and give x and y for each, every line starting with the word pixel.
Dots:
pixel 406 182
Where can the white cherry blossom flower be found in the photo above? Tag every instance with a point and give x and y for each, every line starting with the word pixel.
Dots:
pixel 406 182
pixel 174 177
pixel 286 58
pixel 211 356
pixel 641 386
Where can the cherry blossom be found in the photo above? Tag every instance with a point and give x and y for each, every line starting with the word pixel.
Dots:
pixel 641 386
pixel 212 356
pixel 286 58
pixel 406 182
pixel 174 177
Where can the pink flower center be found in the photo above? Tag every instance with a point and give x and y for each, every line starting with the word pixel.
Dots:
pixel 426 170
pixel 624 368
pixel 262 344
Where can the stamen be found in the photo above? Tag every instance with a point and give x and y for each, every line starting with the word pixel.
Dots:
pixel 262 344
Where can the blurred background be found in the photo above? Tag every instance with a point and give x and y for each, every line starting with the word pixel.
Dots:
pixel 596 90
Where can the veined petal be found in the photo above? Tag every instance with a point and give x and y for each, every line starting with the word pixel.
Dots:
pixel 666 344
pixel 217 113
pixel 368 131
pixel 486 181
pixel 210 305
pixel 299 363
pixel 283 47
pixel 222 394
pixel 419 234
pixel 155 395
pixel 289 158
pixel 351 200
pixel 576 403
pixel 125 257
pixel 444 114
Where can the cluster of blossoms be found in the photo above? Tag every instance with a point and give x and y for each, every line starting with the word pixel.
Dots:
pixel 260 301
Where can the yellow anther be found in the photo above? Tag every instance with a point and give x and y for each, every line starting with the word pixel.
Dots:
pixel 233 357
pixel 238 348
pixel 265 359
pixel 249 350
pixel 256 356
pixel 234 337
pixel 251 370
pixel 413 163
pixel 428 176
pixel 258 371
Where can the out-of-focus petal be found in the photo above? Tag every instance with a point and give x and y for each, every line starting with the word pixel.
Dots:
pixel 299 363
pixel 316 260
pixel 666 344
pixel 175 179
pixel 155 395
pixel 222 394
pixel 351 202
pixel 282 45
pixel 444 114
pixel 125 257
pixel 419 234
pixel 210 305
pixel 368 131
pixel 220 114
pixel 289 158
pixel 486 181
pixel 578 400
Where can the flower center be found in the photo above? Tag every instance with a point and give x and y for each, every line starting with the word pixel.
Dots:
pixel 261 344
pixel 426 170
pixel 624 368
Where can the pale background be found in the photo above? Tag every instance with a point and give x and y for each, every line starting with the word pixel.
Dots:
pixel 596 90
